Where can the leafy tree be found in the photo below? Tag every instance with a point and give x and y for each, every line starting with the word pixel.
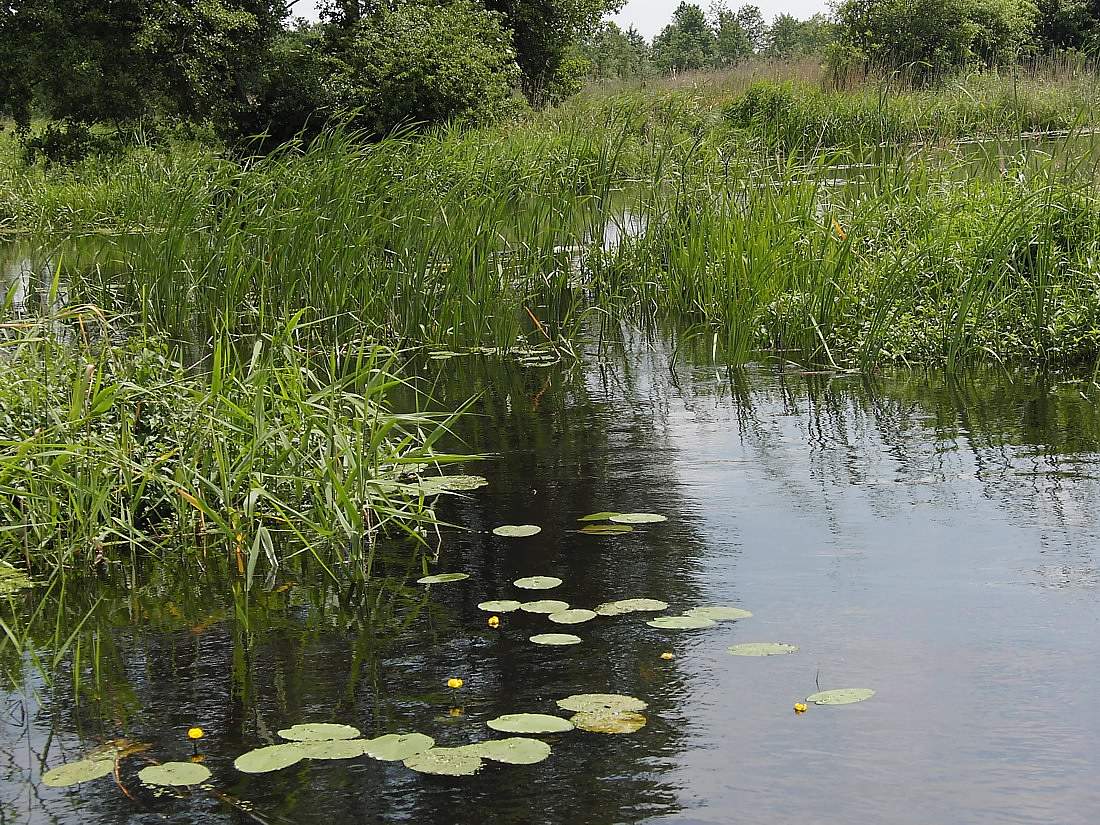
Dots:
pixel 732 42
pixel 752 23
pixel 688 43
pixel 614 53
pixel 1068 24
pixel 789 37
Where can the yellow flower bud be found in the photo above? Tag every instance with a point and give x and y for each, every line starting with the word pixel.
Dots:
pixel 455 683
pixel 800 708
pixel 666 656
pixel 196 733
pixel 494 621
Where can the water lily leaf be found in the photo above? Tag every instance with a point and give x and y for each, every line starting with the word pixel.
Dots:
pixel 606 703
pixel 538 583
pixel 452 484
pixel 604 722
pixel 174 774
pixel 333 749
pixel 607 529
pixel 846 696
pixel 575 615
pixel 681 622
pixel 762 649
pixel 318 731
pixel 13 580
pixel 637 518
pixel 270 758
pixel 443 578
pixel 624 606
pixel 544 606
pixel 83 770
pixel 517 750
pixel 719 614
pixel 394 747
pixel 517 531
pixel 598 516
pixel 501 606
pixel 446 762
pixel 556 639
pixel 530 723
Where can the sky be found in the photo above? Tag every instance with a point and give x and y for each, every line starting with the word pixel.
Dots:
pixel 650 16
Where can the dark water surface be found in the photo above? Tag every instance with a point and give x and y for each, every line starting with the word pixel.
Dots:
pixel 931 539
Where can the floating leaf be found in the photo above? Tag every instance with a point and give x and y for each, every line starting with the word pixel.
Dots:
pixel 502 606
pixel 637 518
pixel 83 770
pixel 394 747
pixel 174 774
pixel 845 696
pixel 604 722
pixel 446 762
pixel 517 750
pixel 333 749
pixel 607 703
pixel 624 606
pixel 530 723
pixel 270 758
pixel 452 484
pixel 762 649
pixel 544 606
pixel 681 622
pixel 607 529
pixel 575 615
pixel 318 731
pixel 517 531
pixel 443 578
pixel 13 580
pixel 556 639
pixel 538 583
pixel 719 614
pixel 598 516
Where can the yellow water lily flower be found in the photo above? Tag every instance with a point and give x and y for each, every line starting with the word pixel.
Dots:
pixel 800 708
pixel 455 683
pixel 494 621
pixel 455 712
pixel 195 734
pixel 666 656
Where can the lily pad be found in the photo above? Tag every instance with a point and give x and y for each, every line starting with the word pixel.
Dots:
pixel 13 580
pixel 604 722
pixel 574 615
pixel 443 578
pixel 544 606
pixel 530 723
pixel 318 732
pixel 500 606
pixel 270 758
pixel 517 750
pixel 598 516
pixel 556 639
pixel 637 518
pixel 762 649
pixel 83 770
pixel 538 583
pixel 452 484
pixel 606 529
pixel 845 696
pixel 174 774
pixel 719 614
pixel 446 762
pixel 607 703
pixel 681 623
pixel 517 531
pixel 624 606
pixel 394 747
pixel 333 749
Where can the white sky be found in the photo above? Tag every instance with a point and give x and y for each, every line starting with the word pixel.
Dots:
pixel 650 16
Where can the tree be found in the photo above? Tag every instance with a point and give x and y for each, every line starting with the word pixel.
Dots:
pixel 752 23
pixel 688 43
pixel 1068 24
pixel 732 43
pixel 790 37
pixel 614 53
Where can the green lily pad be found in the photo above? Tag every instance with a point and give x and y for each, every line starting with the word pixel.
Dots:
pixel 624 606
pixel 517 750
pixel 395 747
pixel 500 606
pixel 530 723
pixel 333 749
pixel 637 518
pixel 607 703
pixel 606 529
pixel 517 531
pixel 845 696
pixel 574 615
pixel 175 774
pixel 557 639
pixel 270 758
pixel 13 580
pixel 544 606
pixel 318 732
pixel 538 583
pixel 452 484
pixel 604 722
pixel 681 623
pixel 443 578
pixel 446 762
pixel 719 614
pixel 598 516
pixel 762 649
pixel 83 770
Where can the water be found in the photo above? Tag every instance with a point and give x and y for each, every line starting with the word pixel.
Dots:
pixel 931 539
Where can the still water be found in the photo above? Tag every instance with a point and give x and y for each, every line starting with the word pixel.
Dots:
pixel 931 539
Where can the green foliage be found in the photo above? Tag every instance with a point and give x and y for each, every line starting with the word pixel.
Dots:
pixel 616 54
pixel 687 43
pixel 790 37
